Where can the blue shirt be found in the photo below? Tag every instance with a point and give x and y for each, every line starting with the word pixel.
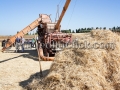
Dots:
pixel 18 40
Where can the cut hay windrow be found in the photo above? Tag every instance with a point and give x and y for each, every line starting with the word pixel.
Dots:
pixel 85 69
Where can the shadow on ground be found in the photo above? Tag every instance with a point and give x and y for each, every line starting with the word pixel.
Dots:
pixel 37 76
pixel 31 54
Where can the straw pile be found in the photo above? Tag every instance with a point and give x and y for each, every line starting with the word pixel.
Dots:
pixel 85 69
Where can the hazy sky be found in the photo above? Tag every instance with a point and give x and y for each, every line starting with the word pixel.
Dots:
pixel 17 14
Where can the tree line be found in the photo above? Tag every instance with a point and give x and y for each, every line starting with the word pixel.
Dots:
pixel 85 30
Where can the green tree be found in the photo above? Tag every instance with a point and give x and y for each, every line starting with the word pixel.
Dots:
pixel 97 28
pixel 73 31
pixel 77 31
pixel 104 28
pixel 82 29
pixel 113 28
pixel 65 31
pixel 110 29
pixel 117 29
pixel 92 28
pixel 69 30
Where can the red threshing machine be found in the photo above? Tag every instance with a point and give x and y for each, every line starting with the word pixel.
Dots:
pixel 49 35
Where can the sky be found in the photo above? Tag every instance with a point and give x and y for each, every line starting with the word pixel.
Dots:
pixel 17 14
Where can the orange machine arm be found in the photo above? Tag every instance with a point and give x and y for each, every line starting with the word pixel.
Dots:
pixel 22 33
pixel 62 14
pixel 44 17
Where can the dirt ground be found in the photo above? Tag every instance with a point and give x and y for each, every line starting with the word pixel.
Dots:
pixel 19 69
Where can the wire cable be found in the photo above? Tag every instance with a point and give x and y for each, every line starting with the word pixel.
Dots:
pixel 58 9
pixel 71 14
pixel 60 3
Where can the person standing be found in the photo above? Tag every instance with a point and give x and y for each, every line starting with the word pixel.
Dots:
pixel 22 43
pixel 3 43
pixel 33 42
pixel 17 44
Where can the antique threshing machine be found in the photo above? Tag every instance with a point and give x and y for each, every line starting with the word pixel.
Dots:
pixel 49 35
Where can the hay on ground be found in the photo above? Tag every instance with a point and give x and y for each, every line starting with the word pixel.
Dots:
pixel 85 69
